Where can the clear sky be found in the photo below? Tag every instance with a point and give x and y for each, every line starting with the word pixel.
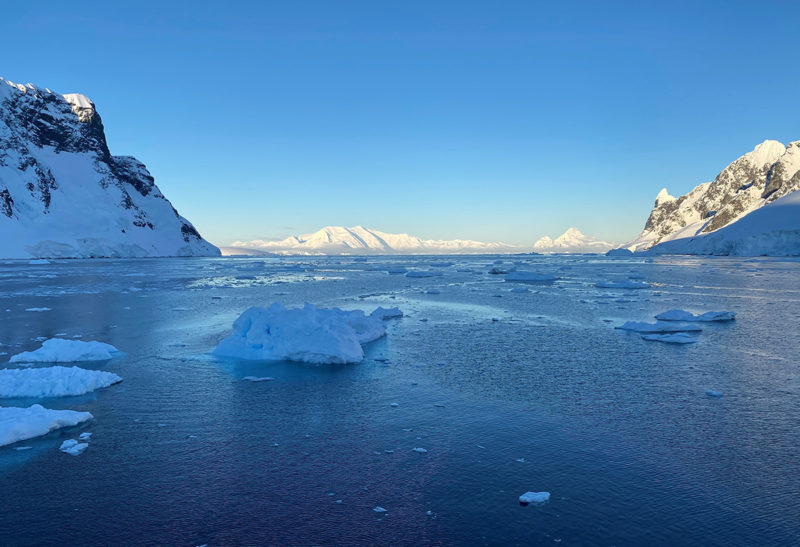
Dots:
pixel 494 120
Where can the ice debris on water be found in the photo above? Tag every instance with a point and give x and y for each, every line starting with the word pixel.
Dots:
pixel 712 393
pixel 386 313
pixel 529 277
pixel 657 327
pixel 673 338
pixel 73 447
pixel 258 378
pixel 420 450
pixel 682 315
pixel 379 509
pixel 625 284
pixel 534 497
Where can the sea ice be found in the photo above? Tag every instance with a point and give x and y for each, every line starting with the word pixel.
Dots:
pixel 625 284
pixel 379 509
pixel 73 447
pixel 58 350
pixel 712 393
pixel 420 450
pixel 18 424
pixel 674 338
pixel 308 334
pixel 37 309
pixel 682 315
pixel 258 378
pixel 658 326
pixel 53 381
pixel 421 273
pixel 534 497
pixel 529 277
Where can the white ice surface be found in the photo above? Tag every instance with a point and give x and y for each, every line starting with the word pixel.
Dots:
pixel 58 350
pixel 308 334
pixel 53 381
pixel 73 447
pixel 18 424
pixel 682 315
pixel 534 497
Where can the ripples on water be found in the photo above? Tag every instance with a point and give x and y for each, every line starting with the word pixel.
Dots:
pixel 619 430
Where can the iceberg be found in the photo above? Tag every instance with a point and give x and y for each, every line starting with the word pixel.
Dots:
pixel 308 334
pixel 682 315
pixel 58 350
pixel 53 381
pixel 19 424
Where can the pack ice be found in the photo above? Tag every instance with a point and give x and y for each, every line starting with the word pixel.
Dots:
pixel 19 424
pixel 53 381
pixel 308 334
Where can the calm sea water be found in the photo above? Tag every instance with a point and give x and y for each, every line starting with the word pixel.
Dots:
pixel 507 391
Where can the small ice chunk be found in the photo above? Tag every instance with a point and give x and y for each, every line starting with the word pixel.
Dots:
pixel 379 509
pixel 712 393
pixel 73 447
pixel 534 497
pixel 682 315
pixel 258 378
pixel 37 309
pixel 673 338
pixel 420 450
pixel 58 350
pixel 21 448
pixel 657 327
pixel 394 405
pixel 386 313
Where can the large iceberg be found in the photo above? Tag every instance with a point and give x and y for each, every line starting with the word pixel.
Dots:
pixel 53 381
pixel 308 334
pixel 18 424
pixel 58 350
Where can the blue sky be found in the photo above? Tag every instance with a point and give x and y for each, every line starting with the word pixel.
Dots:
pixel 496 121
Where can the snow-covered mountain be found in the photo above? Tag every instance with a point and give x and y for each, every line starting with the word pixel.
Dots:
pixel 572 241
pixel 360 240
pixel 62 193
pixel 756 179
pixel 772 230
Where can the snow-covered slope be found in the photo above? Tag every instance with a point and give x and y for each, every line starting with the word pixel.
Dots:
pixel 762 176
pixel 571 241
pixel 772 230
pixel 62 193
pixel 360 240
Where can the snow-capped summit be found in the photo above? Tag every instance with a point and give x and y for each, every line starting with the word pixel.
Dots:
pixel 571 241
pixel 770 171
pixel 62 193
pixel 360 240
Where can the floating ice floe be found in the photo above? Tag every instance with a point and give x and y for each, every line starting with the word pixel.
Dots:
pixel 37 309
pixel 258 378
pixel 421 273
pixel 73 447
pixel 529 277
pixel 420 451
pixel 58 350
pixel 534 497
pixel 379 509
pixel 85 436
pixel 625 284
pixel 673 338
pixel 19 424
pixel 386 313
pixel 682 315
pixel 657 327
pixel 308 334
pixel 712 393
pixel 53 381
pixel 397 271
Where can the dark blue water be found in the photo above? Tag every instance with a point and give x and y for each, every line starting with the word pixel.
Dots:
pixel 619 430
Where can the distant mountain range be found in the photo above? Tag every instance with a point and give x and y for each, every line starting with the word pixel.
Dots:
pixel 572 241
pixel 769 172
pixel 62 193
pixel 338 240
